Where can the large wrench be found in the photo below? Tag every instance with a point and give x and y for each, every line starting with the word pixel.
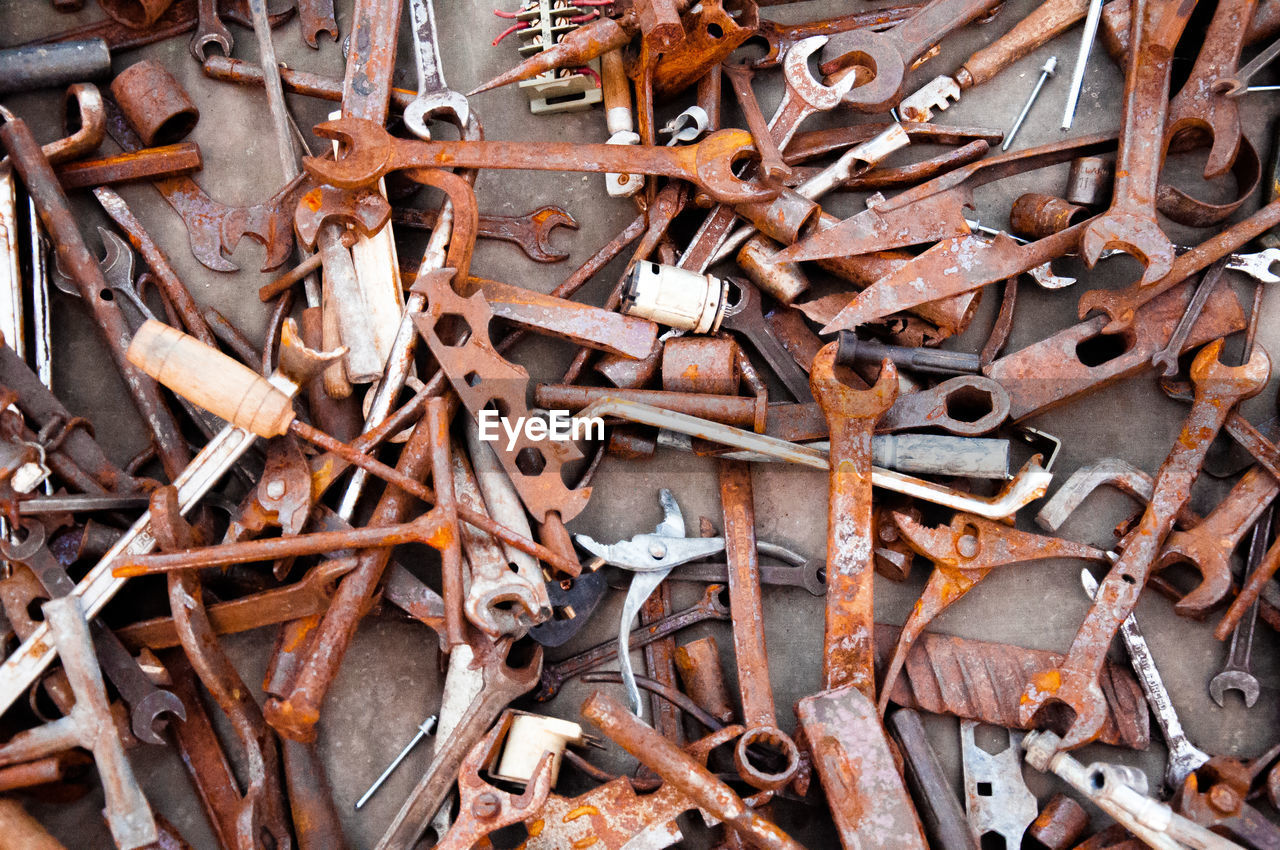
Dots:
pixel 889 54
pixel 1184 756
pixel 434 96
pixel 1075 684
pixel 849 649
pixel 372 152
pixel 1130 224
pixel 146 702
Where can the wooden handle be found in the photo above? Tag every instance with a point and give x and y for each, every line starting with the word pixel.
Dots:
pixel 617 93
pixel 1050 19
pixel 20 831
pixel 211 379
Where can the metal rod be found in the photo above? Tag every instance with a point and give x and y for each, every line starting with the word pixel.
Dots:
pixel 1082 59
pixel 424 729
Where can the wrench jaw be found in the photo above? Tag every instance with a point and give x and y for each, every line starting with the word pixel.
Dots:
pixel 1134 235
pixel 448 105
pixel 1234 680
pixel 367 155
pixel 715 158
pixel 833 394
pixel 1068 702
pixel 1241 382
pixel 145 720
pixel 800 79
pixel 865 49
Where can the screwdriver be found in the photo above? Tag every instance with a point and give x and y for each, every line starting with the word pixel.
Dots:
pixel 249 401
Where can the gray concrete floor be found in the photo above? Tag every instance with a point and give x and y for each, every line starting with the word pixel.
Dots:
pixel 391 678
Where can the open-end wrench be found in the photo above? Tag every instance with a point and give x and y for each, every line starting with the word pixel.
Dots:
pixel 531 231
pixel 1184 756
pixel 146 702
pixel 1257 265
pixel 1236 674
pixel 804 94
pixel 210 30
pixel 1074 685
pixel 1236 84
pixel 889 54
pixel 1130 223
pixel 434 96
pixel 744 314
pixel 1201 106
pixel 849 650
pixel 315 17
pixel 1166 358
pixel 806 573
pixel 371 152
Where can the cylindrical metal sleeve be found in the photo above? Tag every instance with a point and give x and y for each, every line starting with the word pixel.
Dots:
pixel 1060 824
pixel 1089 181
pixel 700 364
pixel 1035 215
pixel 784 281
pixel 701 673
pixel 53 65
pixel 934 361
pixel 154 103
pixel 785 218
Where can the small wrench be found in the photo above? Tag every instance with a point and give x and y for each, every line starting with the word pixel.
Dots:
pixel 531 231
pixel 1167 357
pixel 745 315
pixel 1235 674
pixel 372 152
pixel 210 30
pixel 146 701
pixel 1257 265
pixel 434 95
pixel 1184 756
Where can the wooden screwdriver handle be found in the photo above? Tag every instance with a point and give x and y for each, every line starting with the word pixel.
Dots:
pixel 1050 19
pixel 211 379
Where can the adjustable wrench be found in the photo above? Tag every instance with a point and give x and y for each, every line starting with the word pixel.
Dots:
pixel 434 96
pixel 1075 683
pixel 1184 756
pixel 372 152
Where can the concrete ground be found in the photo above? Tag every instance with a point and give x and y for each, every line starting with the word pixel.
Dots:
pixel 391 677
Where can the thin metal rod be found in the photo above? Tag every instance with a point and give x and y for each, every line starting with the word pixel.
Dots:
pixel 424 729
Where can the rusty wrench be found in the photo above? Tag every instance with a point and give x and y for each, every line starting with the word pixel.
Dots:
pixel 849 656
pixel 1075 683
pixel 210 30
pixel 371 152
pixel 1236 675
pixel 146 702
pixel 531 231
pixel 1130 223
pixel 434 96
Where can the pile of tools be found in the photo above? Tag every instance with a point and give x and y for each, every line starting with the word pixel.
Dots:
pixel 382 455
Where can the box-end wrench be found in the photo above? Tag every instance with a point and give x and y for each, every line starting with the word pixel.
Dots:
pixel 1184 756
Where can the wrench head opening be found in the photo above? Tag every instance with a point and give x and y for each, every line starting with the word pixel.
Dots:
pixel 1235 680
pixel 1136 236
pixel 366 153
pixel 873 52
pixel 1068 703
pixel 449 105
pixel 837 398
pixel 145 718
pixel 800 79
pixel 716 157
pixel 1211 375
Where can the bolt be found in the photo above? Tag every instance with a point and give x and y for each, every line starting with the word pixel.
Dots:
pixel 486 806
pixel 967 545
pixel 1045 73
pixel 275 488
pixel 1223 799
pixel 657 550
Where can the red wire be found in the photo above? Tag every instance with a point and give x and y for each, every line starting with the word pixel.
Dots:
pixel 590 72
pixel 521 25
pixel 502 14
